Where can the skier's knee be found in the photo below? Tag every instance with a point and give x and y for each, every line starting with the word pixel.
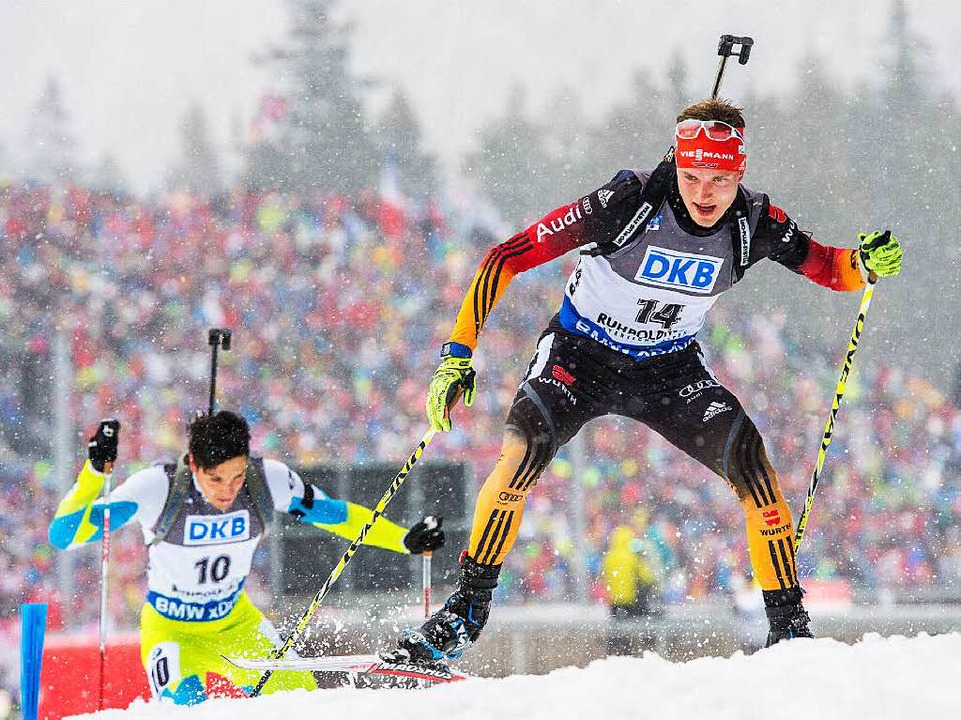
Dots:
pixel 747 468
pixel 522 461
pixel 532 437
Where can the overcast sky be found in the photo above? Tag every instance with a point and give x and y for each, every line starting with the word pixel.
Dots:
pixel 129 70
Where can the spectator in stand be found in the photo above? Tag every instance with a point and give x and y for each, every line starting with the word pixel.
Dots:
pixel 631 593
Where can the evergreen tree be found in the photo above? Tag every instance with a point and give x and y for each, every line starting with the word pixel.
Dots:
pixel 798 152
pixel 198 168
pixel 50 145
pixel 400 145
pixel 265 166
pixel 107 176
pixel 909 147
pixel 512 166
pixel 901 124
pixel 637 133
pixel 567 146
pixel 677 80
pixel 807 140
pixel 324 142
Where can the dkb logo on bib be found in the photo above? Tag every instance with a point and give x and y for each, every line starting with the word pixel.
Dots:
pixel 679 271
pixel 214 529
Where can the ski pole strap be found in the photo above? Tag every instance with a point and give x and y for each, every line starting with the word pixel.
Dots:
pixel 726 47
pixel 345 558
pixel 835 406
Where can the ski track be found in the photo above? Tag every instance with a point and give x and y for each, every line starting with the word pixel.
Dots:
pixel 876 679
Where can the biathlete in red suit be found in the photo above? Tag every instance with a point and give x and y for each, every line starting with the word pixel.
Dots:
pixel 663 246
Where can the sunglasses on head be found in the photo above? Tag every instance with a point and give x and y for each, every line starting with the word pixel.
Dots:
pixel 713 129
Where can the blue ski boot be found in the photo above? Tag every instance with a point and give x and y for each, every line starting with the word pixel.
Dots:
pixel 449 631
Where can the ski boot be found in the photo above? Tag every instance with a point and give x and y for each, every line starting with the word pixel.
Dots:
pixel 449 631
pixel 786 615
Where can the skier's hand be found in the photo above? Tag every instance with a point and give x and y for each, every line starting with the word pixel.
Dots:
pixel 102 447
pixel 880 253
pixel 425 535
pixel 453 376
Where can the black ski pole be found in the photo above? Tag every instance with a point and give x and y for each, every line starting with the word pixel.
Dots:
pixel 216 338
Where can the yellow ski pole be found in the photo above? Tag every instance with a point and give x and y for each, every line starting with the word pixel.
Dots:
pixel 345 558
pixel 835 406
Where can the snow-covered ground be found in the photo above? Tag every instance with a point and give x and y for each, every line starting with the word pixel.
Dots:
pixel 876 679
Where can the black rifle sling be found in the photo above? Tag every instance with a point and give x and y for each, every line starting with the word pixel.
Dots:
pixel 741 233
pixel 179 478
pixel 256 482
pixel 178 481
pixel 654 195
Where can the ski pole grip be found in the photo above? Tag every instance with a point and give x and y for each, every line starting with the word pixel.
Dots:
pixel 725 47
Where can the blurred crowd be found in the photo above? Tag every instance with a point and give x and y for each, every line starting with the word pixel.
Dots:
pixel 339 307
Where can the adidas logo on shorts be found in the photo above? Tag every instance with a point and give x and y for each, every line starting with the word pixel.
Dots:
pixel 714 409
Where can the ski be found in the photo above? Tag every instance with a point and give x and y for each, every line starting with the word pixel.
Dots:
pixel 359 664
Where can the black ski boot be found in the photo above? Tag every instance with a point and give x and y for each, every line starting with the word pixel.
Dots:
pixel 449 631
pixel 786 615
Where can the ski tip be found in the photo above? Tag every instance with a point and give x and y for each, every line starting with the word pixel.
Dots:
pixel 236 662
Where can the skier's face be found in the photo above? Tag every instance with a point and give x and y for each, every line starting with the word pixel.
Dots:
pixel 707 194
pixel 221 483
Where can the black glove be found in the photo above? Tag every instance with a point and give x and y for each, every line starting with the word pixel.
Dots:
pixel 425 535
pixel 102 447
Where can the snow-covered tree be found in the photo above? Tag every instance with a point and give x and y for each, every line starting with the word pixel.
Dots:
pixel 50 152
pixel 198 168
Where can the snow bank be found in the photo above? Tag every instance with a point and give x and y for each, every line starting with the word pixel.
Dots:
pixel 876 679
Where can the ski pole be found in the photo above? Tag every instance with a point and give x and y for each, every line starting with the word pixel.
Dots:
pixel 835 406
pixel 216 338
pixel 104 576
pixel 345 558
pixel 426 581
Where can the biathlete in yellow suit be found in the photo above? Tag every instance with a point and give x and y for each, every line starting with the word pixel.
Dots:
pixel 200 551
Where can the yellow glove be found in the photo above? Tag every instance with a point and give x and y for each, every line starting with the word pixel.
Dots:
pixel 453 376
pixel 880 253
